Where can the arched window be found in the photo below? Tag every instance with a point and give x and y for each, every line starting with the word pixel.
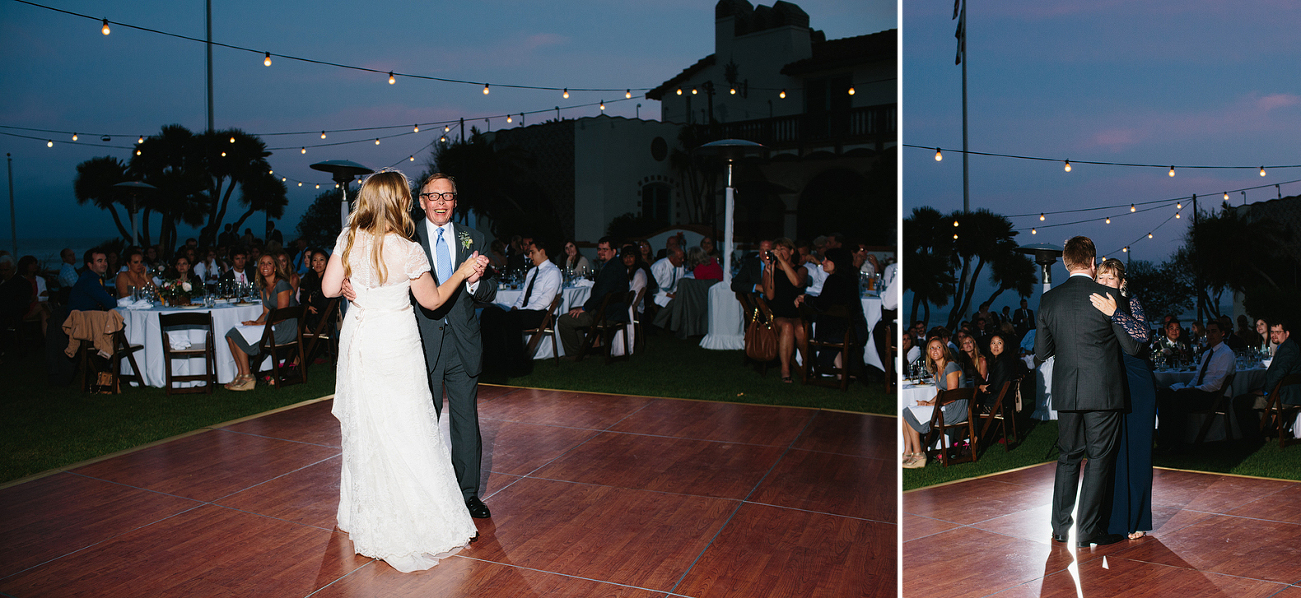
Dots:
pixel 657 202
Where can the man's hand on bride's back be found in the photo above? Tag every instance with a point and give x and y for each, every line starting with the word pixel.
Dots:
pixel 346 290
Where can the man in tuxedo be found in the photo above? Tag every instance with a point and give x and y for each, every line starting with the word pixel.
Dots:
pixel 1088 392
pixel 611 279
pixel 503 329
pixel 237 273
pixel 1286 362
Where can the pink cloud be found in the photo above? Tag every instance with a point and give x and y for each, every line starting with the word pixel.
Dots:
pixel 1115 139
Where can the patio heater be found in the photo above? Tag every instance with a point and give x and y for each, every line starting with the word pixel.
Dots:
pixel 730 150
pixel 1045 254
pixel 343 172
pixel 134 189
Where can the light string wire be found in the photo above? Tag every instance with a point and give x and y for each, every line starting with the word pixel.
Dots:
pixel 1100 163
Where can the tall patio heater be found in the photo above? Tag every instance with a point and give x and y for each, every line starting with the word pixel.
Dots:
pixel 726 329
pixel 343 172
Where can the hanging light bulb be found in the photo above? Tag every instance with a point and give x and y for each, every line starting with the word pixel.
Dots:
pixel 304 149
pixel 442 139
pixel 446 128
pixel 377 141
pixel 1226 196
pixel 1041 216
pixel 391 78
pixel 938 155
pixel 1108 219
pixel 318 185
pixel 223 154
pixel 322 134
pixel 694 91
pixel 283 179
pixel 508 118
pixel 732 91
pixel 1179 205
pixel 232 139
pixel 271 172
pixel 267 61
pixel 1125 250
pixel 1176 214
pixel 566 93
pixel 137 152
pixel 416 129
pixel 105 30
pixel 485 89
pixel 412 158
pixel 74 136
pixel 679 91
pixel 1068 166
pixel 955 223
pixel 300 183
pixel 602 105
pixel 1262 171
pixel 851 91
pixel 627 95
pixel 1149 235
pixel 1172 171
pixel 1034 232
pixel 141 139
pixel 1133 208
pixel 49 143
pixel 955 236
pixel 782 95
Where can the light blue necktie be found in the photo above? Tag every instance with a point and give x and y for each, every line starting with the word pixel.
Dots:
pixel 443 258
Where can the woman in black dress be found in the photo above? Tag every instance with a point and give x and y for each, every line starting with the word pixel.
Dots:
pixel 782 281
pixel 1003 366
pixel 309 287
pixel 840 289
pixel 1131 507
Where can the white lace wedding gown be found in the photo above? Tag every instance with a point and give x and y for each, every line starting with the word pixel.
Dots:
pixel 398 496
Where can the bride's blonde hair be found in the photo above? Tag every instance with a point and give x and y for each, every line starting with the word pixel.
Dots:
pixel 383 206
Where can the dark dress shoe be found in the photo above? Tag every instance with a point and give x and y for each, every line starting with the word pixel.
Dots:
pixel 1102 540
pixel 478 510
pixel 1062 539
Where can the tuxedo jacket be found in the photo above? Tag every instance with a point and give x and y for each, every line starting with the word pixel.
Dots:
pixel 1287 360
pixel 1088 374
pixel 751 274
pixel 454 325
pixel 612 279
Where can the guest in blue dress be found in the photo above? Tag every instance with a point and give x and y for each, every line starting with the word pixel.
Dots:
pixel 1131 508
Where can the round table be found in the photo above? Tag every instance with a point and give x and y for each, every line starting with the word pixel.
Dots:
pixel 142 328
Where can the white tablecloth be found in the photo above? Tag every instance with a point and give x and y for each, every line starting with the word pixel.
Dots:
pixel 573 297
pixel 142 328
pixel 727 331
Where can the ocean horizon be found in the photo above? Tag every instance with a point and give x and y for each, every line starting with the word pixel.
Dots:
pixel 46 249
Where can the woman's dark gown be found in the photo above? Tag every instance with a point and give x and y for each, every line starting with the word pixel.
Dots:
pixel 1131 503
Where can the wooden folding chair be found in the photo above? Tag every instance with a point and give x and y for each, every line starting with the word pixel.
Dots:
pixel 323 335
pixel 1280 413
pixel 845 344
pixel 634 297
pixel 208 352
pixel 113 377
pixel 1001 416
pixel 284 376
pixel 546 328
pixel 596 330
pixel 1221 407
pixel 952 452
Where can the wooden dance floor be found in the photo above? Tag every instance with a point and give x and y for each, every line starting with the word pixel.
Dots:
pixel 591 495
pixel 1216 536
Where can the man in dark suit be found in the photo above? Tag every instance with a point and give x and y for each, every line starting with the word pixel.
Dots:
pixel 1088 391
pixel 237 273
pixel 451 335
pixel 612 279
pixel 750 278
pixel 1287 361
pixel 1023 319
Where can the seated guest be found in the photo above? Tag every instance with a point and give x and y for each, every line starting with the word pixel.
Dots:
pixel 612 279
pixel 703 266
pixel 750 278
pixel 1175 403
pixel 1247 333
pixel 503 330
pixel 817 276
pixel 1266 344
pixel 180 271
pixel 574 262
pixel 948 375
pixel 89 294
pixel 309 288
pixel 38 306
pixel 974 365
pixel 667 272
pixel 1196 333
pixel 639 273
pixel 707 244
pixel 282 260
pixel 840 290
pixel 136 275
pixel 497 255
pixel 673 242
pixel 276 294
pixel 782 281
pixel 207 269
pixel 908 350
pixel 1232 340
pixel 647 254
pixel 1003 366
pixel 237 273
pixel 68 270
pixel 1175 345
pixel 1286 362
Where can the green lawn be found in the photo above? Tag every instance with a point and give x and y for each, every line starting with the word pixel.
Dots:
pixel 44 427
pixel 1039 446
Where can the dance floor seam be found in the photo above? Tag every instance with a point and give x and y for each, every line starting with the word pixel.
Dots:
pixel 612 495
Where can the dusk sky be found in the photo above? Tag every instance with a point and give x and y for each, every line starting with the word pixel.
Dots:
pixel 61 73
pixel 1182 82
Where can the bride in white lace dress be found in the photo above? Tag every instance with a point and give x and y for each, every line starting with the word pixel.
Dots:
pixel 398 496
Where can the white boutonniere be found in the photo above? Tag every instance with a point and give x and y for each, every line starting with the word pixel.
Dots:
pixel 466 241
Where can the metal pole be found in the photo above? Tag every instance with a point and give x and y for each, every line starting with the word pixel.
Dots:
pixel 966 192
pixel 13 218
pixel 135 236
pixel 208 23
pixel 728 227
pixel 1201 291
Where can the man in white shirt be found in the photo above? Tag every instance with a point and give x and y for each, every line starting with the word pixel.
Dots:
pixel 1176 402
pixel 68 271
pixel 667 272
pixel 883 332
pixel 503 329
pixel 817 277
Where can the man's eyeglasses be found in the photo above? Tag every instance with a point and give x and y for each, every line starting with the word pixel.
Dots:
pixel 449 196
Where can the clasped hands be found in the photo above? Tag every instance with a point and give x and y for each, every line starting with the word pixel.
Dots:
pixel 472 269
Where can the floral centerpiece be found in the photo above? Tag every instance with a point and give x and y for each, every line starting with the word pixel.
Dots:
pixel 176 292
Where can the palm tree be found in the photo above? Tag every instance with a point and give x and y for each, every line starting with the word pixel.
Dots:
pixel 168 161
pixel 1228 252
pixel 985 238
pixel 927 261
pixel 94 182
pixel 229 165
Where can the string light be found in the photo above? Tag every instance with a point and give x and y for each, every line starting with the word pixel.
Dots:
pixel 1034 232
pixel 1068 166
pixel 283 179
pixel 508 119
pixel 1172 171
pixel 485 89
pixel 271 172
pixel 693 91
pixel 49 143
pixel 142 139
pixel 1125 250
pixel 566 93
pixel 74 136
pixel 318 185
pixel 304 149
pixel 391 78
pixel 955 223
pixel 267 61
pixel 1176 214
pixel 232 139
pixel 322 134
pixel 1041 217
pixel 1133 208
pixel 223 154
pixel 733 91
pixel 1179 205
pixel 137 152
pixel 851 91
pixel 1108 219
pixel 1262 171
pixel 602 105
pixel 377 141
pixel 1149 235
pixel 105 30
pixel 1226 196
pixel 955 236
pixel 679 91
pixel 447 128
pixel 416 129
pixel 412 158
pixel 938 155
pixel 442 139
pixel 627 95
pixel 782 95
pixel 300 183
